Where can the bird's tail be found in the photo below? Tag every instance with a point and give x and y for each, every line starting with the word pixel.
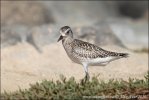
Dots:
pixel 125 55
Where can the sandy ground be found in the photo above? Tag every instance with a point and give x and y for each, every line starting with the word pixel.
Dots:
pixel 22 65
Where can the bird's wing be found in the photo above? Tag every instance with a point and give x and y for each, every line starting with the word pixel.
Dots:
pixel 84 49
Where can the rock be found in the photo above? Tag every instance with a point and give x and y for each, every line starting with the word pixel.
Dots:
pixel 10 35
pixel 38 36
pixel 29 13
pixel 80 13
pixel 134 35
pixel 132 9
pixel 22 65
pixel 43 35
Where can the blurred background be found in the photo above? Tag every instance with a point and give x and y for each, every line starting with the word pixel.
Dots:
pixel 128 20
pixel 30 29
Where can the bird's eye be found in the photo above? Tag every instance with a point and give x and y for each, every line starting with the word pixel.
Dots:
pixel 67 33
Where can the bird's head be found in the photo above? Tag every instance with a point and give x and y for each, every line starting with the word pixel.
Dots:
pixel 65 32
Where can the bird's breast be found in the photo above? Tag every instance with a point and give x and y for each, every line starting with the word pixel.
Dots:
pixel 69 50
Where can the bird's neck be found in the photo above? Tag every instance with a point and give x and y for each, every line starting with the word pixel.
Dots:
pixel 67 40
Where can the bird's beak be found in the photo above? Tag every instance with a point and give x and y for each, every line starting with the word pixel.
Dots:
pixel 60 38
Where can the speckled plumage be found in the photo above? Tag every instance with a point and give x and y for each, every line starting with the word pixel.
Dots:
pixel 80 51
pixel 86 53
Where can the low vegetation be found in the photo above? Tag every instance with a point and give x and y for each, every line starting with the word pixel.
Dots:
pixel 95 88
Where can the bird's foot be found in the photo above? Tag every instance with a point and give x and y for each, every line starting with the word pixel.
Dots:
pixel 87 77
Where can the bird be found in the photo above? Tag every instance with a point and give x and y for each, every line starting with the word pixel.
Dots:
pixel 85 53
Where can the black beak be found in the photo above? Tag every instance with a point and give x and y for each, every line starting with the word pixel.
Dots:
pixel 60 38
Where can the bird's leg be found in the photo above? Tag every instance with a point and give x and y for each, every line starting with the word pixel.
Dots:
pixel 86 76
pixel 85 66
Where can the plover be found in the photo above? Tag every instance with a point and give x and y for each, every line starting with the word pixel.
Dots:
pixel 85 53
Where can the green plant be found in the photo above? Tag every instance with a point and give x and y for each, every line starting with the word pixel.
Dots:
pixel 70 89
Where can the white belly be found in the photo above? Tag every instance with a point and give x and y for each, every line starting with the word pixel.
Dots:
pixel 100 61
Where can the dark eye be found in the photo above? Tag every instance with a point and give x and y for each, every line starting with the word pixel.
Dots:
pixel 67 33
